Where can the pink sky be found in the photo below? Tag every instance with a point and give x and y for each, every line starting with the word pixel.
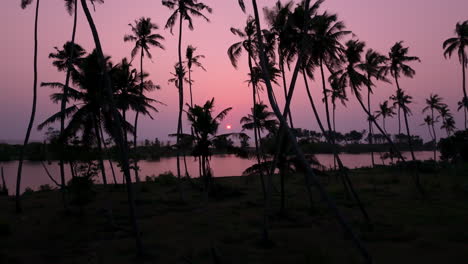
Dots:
pixel 422 24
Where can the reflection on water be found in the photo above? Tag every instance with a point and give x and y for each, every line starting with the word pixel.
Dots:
pixel 34 174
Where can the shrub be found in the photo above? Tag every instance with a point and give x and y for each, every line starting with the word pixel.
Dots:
pixel 455 147
pixel 28 190
pixel 166 178
pixel 81 190
pixel 45 188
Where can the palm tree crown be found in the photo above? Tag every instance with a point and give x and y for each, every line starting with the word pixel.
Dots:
pixel 264 119
pixel 143 36
pixel 186 9
pixel 398 58
pixel 458 43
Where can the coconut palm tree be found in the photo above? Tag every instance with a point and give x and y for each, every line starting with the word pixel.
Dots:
pixel 66 60
pixel 402 100
pixel 398 59
pixel 429 122
pixel 183 10
pixel 433 104
pixel 327 50
pixel 192 60
pixel 463 104
pixel 144 38
pixel 448 122
pixel 352 77
pixel 385 112
pixel 309 174
pixel 115 125
pixel 373 67
pixel 24 4
pixel 459 44
pixel 205 128
pixel 285 36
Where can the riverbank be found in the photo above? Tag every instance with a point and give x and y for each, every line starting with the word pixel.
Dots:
pixel 407 228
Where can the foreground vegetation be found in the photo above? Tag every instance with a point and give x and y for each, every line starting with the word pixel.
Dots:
pixel 225 229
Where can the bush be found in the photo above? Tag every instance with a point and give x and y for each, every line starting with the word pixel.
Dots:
pixel 455 147
pixel 166 178
pixel 45 188
pixel 28 190
pixel 81 190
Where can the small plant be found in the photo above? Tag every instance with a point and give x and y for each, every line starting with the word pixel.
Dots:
pixel 81 186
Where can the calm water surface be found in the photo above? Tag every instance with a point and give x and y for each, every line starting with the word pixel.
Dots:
pixel 34 174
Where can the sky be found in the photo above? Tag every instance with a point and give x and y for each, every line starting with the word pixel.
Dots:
pixel 422 24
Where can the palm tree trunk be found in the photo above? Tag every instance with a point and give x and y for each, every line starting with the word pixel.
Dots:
pixel 117 130
pixel 256 138
pixel 64 102
pixel 19 208
pixel 181 104
pixel 325 97
pixel 135 134
pixel 344 175
pixel 108 156
pixel 100 153
pixel 72 171
pixel 434 135
pixel 465 96
pixel 283 74
pixel 334 131
pixel 310 175
pixel 190 86
pixel 370 122
pixel 410 140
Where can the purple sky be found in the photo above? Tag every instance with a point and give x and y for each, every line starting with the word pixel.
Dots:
pixel 422 24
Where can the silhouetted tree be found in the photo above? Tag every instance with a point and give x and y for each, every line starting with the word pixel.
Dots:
pixel 192 60
pixel 385 111
pixel 144 38
pixel 459 44
pixel 24 4
pixel 183 10
pixel 433 104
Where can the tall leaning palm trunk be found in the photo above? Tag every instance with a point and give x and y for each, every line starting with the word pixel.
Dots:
pixel 117 129
pixel 310 175
pixel 19 208
pixel 63 104
pixel 181 97
pixel 369 91
pixel 135 144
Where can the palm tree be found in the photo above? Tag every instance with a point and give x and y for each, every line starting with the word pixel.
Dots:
pixel 448 122
pixel 385 112
pixel 373 67
pixel 115 124
pixel 285 36
pixel 398 59
pixel 459 44
pixel 184 10
pixel 402 100
pixel 327 49
pixel 429 122
pixel 205 128
pixel 433 103
pixel 66 60
pixel 144 38
pixel 309 174
pixel 463 104
pixel 24 4
pixel 192 60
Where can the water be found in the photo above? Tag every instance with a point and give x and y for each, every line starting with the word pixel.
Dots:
pixel 34 174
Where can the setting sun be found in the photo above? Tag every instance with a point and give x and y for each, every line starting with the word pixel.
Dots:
pixel 228 127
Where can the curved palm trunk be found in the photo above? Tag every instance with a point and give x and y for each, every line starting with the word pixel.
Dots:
pixel 111 165
pixel 256 137
pixel 19 208
pixel 285 87
pixel 135 135
pixel 345 178
pixel 181 105
pixel 117 127
pixel 370 122
pixel 464 86
pixel 100 153
pixel 310 175
pixel 434 135
pixel 64 101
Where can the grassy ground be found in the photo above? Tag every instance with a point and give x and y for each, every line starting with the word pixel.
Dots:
pixel 407 228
